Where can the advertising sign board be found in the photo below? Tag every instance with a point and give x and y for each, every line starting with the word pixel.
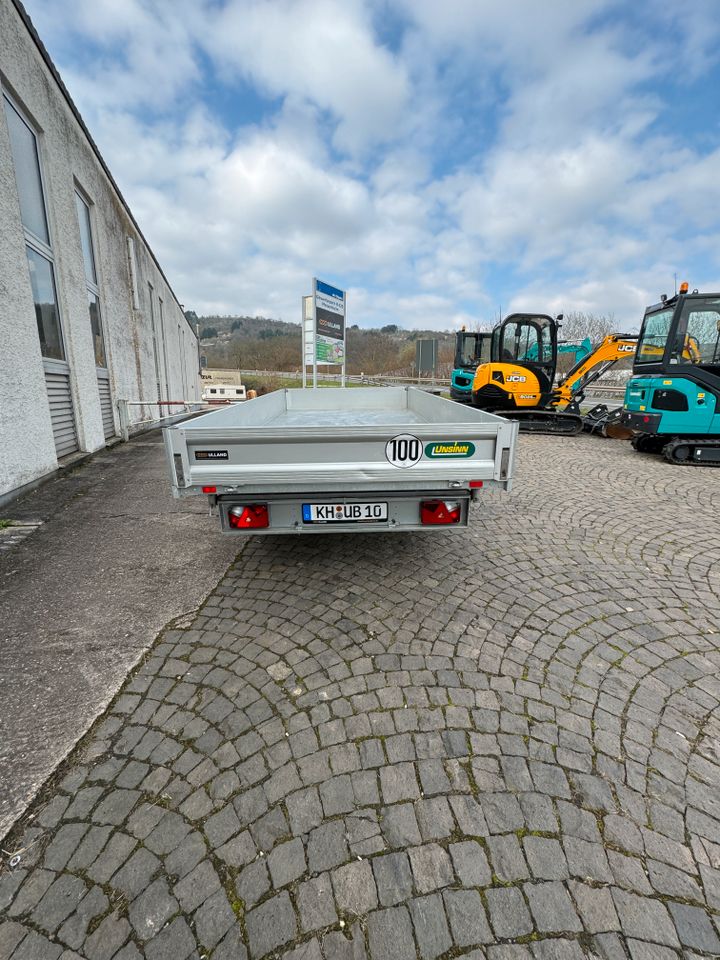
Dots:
pixel 323 329
pixel 329 323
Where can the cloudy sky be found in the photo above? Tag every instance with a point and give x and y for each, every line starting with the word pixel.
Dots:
pixel 439 159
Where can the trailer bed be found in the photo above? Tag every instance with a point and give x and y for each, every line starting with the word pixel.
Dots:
pixel 374 444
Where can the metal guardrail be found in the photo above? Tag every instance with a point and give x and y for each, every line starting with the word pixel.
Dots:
pixel 599 389
pixel 349 378
pixel 145 423
pixel 610 391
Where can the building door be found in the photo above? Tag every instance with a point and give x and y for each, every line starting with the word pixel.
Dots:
pixel 41 265
pixel 57 369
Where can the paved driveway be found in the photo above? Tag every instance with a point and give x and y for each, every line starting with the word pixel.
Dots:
pixel 504 744
pixel 106 558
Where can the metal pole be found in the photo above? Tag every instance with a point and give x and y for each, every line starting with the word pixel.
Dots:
pixel 304 355
pixel 314 312
pixel 342 376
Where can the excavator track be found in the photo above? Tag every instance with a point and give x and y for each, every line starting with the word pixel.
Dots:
pixel 693 453
pixel 546 422
pixel 648 443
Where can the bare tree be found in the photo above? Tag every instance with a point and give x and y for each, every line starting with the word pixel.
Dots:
pixel 577 325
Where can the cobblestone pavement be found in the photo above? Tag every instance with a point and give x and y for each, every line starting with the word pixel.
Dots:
pixel 499 745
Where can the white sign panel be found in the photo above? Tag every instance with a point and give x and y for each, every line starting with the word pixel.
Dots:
pixel 308 323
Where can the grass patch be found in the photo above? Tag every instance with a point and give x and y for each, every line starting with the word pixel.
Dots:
pixel 268 384
pixel 4 524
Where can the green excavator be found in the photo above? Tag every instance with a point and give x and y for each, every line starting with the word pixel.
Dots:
pixel 672 401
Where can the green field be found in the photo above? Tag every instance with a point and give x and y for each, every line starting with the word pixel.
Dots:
pixel 280 383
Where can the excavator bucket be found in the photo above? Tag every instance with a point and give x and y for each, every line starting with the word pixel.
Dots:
pixel 606 422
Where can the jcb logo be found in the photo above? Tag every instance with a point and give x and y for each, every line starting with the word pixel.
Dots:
pixel 516 378
pixel 626 348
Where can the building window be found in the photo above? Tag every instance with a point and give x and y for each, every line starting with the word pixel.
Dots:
pixel 33 213
pixel 23 144
pixel 96 328
pixel 156 344
pixel 42 281
pixel 164 345
pixel 132 270
pixel 181 357
pixel 93 291
pixel 83 212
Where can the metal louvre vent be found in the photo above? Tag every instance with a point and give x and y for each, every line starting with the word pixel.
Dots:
pixel 61 412
pixel 106 407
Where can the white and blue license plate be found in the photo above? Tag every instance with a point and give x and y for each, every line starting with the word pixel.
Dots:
pixel 344 512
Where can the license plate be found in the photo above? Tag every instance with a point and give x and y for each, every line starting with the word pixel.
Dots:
pixel 344 512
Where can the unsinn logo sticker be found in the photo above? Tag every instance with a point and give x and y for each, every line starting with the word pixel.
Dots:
pixel 450 449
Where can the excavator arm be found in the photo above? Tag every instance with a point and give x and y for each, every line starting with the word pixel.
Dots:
pixel 615 347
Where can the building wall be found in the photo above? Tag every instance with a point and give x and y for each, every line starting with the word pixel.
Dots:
pixel 68 163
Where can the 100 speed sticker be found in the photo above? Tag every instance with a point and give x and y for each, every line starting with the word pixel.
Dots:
pixel 404 450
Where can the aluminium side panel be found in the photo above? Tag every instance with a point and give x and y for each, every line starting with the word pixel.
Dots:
pixel 341 440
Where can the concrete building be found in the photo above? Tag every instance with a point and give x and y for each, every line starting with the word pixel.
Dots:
pixel 87 316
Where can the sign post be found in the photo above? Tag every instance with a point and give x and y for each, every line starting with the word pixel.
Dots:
pixel 328 305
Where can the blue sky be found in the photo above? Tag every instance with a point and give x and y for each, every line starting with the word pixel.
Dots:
pixel 439 160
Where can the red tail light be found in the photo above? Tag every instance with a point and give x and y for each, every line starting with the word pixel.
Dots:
pixel 209 489
pixel 440 512
pixel 475 484
pixel 249 516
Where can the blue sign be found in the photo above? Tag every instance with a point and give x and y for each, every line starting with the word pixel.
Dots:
pixel 328 290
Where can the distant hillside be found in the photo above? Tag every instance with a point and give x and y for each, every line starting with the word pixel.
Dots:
pixel 261 343
pixel 246 328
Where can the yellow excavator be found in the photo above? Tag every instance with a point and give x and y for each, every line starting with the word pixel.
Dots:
pixel 519 381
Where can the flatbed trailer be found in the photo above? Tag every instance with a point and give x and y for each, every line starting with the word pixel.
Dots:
pixel 319 461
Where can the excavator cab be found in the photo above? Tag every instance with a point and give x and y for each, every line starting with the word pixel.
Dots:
pixel 672 402
pixel 523 357
pixel 529 340
pixel 472 347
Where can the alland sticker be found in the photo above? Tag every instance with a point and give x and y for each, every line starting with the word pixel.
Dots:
pixel 211 455
pixel 450 449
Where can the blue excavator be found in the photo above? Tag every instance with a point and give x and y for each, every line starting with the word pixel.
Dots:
pixel 472 347
pixel 672 401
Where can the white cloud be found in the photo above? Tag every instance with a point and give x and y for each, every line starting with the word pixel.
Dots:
pixel 129 53
pixel 412 311
pixel 492 151
pixel 318 49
